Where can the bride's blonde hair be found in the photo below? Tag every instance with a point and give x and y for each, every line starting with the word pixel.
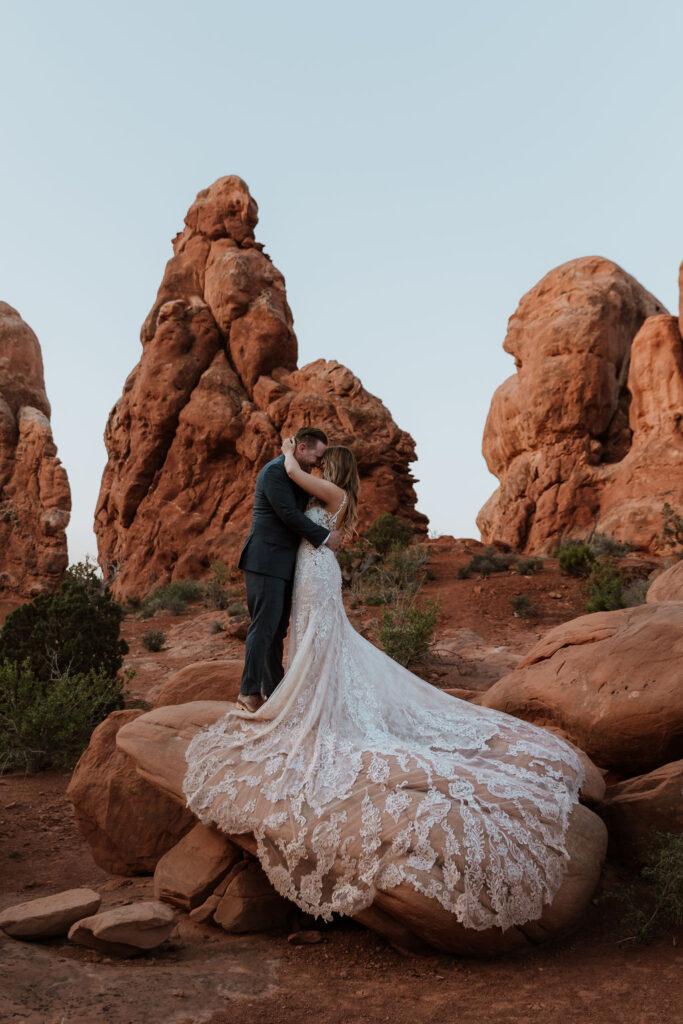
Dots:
pixel 341 469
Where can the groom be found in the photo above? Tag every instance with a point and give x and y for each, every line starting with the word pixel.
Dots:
pixel 268 560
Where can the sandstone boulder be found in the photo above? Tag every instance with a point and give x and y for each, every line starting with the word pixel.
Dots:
pixel 125 931
pixel 668 586
pixel 50 915
pixel 216 387
pixel 610 681
pixel 35 499
pixel 250 904
pixel 203 680
pixel 586 434
pixel 157 742
pixel 634 809
pixel 190 871
pixel 128 824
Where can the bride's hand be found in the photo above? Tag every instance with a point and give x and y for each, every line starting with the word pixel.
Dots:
pixel 288 446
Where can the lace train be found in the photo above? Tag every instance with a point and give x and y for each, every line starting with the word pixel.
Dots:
pixel 356 776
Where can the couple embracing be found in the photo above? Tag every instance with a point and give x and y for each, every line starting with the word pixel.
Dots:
pixel 353 775
pixel 284 488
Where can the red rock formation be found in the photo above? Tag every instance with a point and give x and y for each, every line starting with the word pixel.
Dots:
pixel 610 682
pixel 216 387
pixel 35 500
pixel 587 434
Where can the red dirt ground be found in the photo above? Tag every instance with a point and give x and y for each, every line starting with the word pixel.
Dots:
pixel 204 976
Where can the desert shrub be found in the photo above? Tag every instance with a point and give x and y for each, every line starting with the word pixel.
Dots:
pixel 217 589
pixel 486 562
pixel 672 529
pixel 635 592
pixel 402 571
pixel 528 566
pixel 73 631
pixel 216 627
pixel 237 608
pixel 575 559
pixel 355 560
pixel 407 630
pixel 604 544
pixel 153 639
pixel 523 607
pixel 657 903
pixel 47 722
pixel 173 597
pixel 389 531
pixel 604 588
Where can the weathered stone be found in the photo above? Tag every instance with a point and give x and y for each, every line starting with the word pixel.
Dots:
pixel 127 823
pixel 190 871
pixel 49 915
pixel 125 931
pixel 586 434
pixel 157 742
pixel 611 682
pixel 216 387
pixel 35 499
pixel 250 904
pixel 203 680
pixel 634 809
pixel 668 586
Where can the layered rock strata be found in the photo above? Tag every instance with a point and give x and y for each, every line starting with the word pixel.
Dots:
pixel 35 499
pixel 216 387
pixel 588 433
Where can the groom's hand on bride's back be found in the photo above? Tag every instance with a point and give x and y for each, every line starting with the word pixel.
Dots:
pixel 335 540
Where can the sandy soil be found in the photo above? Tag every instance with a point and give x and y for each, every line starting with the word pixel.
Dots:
pixel 203 975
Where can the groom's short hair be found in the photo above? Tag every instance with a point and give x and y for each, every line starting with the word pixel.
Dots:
pixel 309 436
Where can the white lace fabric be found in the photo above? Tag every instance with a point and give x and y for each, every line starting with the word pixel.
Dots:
pixel 357 776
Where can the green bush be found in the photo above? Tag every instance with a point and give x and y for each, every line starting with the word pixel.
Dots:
pixel 604 588
pixel 575 559
pixel 635 592
pixel 153 639
pixel 407 630
pixel 47 723
pixel 173 597
pixel 486 562
pixel 523 607
pixel 660 907
pixel 389 531
pixel 672 529
pixel 528 566
pixel 217 589
pixel 604 544
pixel 237 608
pixel 73 631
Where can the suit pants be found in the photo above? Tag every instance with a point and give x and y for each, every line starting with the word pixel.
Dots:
pixel 270 601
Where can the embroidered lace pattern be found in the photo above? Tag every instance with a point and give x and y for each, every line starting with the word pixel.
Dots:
pixel 357 776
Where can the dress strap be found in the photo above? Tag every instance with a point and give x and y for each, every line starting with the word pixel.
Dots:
pixel 341 506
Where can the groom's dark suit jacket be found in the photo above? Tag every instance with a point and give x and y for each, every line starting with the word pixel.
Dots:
pixel 277 524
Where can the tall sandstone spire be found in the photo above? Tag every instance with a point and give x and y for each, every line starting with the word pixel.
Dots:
pixel 588 433
pixel 35 499
pixel 216 388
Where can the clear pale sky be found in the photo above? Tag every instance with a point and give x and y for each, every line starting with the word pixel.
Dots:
pixel 418 167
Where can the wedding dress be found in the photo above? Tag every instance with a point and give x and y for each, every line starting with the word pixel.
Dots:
pixel 356 776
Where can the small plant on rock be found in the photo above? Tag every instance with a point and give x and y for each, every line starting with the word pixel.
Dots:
pixel 575 559
pixel 604 588
pixel 672 529
pixel 153 640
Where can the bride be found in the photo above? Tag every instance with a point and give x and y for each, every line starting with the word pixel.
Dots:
pixel 356 776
